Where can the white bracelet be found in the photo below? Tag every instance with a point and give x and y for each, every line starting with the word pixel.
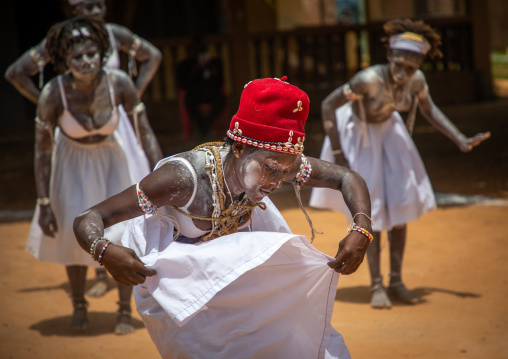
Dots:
pixel 337 152
pixel 353 220
pixel 43 201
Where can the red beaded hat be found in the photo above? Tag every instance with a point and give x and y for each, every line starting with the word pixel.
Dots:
pixel 271 115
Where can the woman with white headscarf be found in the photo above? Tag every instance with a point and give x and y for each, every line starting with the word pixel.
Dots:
pixel 366 133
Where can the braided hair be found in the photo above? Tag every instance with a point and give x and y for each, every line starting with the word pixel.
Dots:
pixel 399 26
pixel 60 38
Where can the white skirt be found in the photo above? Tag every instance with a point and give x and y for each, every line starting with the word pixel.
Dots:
pixel 83 175
pixel 388 160
pixel 261 294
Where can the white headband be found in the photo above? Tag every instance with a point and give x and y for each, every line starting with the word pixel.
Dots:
pixel 75 2
pixel 409 41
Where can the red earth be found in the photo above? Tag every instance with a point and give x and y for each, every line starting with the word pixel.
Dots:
pixel 455 260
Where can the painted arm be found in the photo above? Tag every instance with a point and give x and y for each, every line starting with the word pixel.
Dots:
pixel 353 247
pixel 171 184
pixel 138 117
pixel 29 64
pixel 350 91
pixel 146 54
pixel 44 128
pixel 439 120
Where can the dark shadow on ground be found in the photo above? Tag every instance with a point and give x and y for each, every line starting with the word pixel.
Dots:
pixel 65 287
pixel 100 323
pixel 361 294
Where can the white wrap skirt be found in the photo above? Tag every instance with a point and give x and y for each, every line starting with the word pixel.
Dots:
pixel 83 175
pixel 386 157
pixel 265 293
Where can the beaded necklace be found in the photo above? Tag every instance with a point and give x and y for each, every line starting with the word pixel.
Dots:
pixel 224 220
pixel 228 220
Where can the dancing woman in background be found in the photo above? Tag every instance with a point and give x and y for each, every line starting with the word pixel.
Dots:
pixel 366 133
pixel 93 140
pixel 120 38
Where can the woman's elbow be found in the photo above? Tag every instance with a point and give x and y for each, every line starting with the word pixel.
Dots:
pixel 86 217
pixel 11 74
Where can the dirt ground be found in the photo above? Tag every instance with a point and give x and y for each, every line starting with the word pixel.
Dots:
pixel 455 260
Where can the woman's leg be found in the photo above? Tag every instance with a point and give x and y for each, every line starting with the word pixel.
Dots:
pixel 397 239
pixel 77 281
pixel 379 298
pixel 101 284
pixel 123 323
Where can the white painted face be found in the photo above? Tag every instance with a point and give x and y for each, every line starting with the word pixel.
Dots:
pixel 84 58
pixel 403 65
pixel 95 9
pixel 261 171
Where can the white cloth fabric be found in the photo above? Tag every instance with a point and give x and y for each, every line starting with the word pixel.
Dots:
pixel 113 60
pixel 261 294
pixel 398 183
pixel 83 175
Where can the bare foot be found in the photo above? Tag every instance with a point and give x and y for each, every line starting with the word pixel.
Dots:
pixel 98 289
pixel 379 299
pixel 400 292
pixel 123 323
pixel 79 322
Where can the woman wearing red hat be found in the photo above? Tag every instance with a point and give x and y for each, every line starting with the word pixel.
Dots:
pixel 218 273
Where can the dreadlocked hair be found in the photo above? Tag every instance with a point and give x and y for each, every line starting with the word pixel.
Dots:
pixel 399 26
pixel 60 39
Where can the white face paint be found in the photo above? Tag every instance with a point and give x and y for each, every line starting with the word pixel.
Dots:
pixel 95 9
pixel 84 58
pixel 403 65
pixel 260 172
pixel 251 166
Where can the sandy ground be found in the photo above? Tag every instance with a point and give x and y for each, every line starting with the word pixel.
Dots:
pixel 455 259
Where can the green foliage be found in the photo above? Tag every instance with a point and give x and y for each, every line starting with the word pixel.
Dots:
pixel 499 63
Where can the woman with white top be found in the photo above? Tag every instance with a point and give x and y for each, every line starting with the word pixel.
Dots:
pixel 93 139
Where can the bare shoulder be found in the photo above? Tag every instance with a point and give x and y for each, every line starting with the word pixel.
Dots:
pixel 418 82
pixel 195 159
pixel 121 33
pixel 362 81
pixel 122 82
pixel 50 93
pixel 173 181
pixel 41 46
pixel 50 103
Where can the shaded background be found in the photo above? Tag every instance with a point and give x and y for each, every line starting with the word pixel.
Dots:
pixel 456 256
pixel 318 44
